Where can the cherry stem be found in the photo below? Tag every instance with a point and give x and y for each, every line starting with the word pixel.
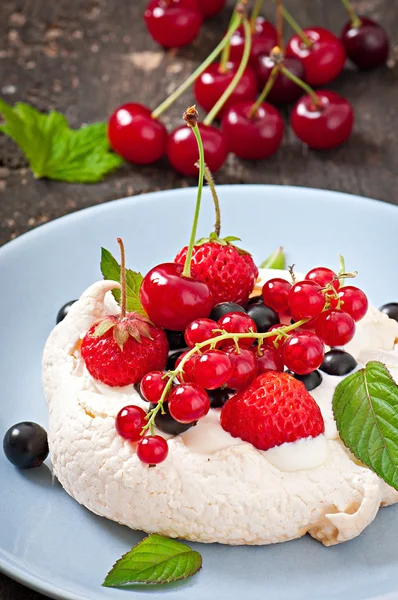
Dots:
pixel 279 21
pixel 190 80
pixel 226 50
pixel 237 77
pixel 295 26
pixel 355 20
pixel 210 183
pixel 211 344
pixel 255 13
pixel 123 294
pixel 303 85
pixel 267 88
pixel 191 118
pixel 342 269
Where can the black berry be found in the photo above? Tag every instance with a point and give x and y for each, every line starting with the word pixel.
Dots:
pixel 311 380
pixel 254 300
pixel 172 359
pixel 175 339
pixel 25 445
pixel 338 362
pixel 390 309
pixel 263 316
pixel 219 310
pixel 219 397
pixel 167 424
pixel 63 311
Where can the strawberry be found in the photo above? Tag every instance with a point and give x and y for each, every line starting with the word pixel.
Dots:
pixel 121 350
pixel 228 271
pixel 276 408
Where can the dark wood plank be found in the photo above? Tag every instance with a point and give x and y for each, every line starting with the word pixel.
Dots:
pixel 84 57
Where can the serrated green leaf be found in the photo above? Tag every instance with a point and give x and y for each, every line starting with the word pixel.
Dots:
pixel 365 406
pixel 110 269
pixel 276 260
pixel 154 560
pixel 55 151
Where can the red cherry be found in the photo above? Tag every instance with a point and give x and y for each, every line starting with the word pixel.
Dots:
pixel 173 23
pixel 130 421
pixel 353 301
pixel 244 367
pixel 211 85
pixel 187 375
pixel 210 8
pixel 238 322
pixel 212 369
pixel 200 330
pixel 303 352
pixel 323 276
pixel 136 135
pixel 335 328
pixel 264 39
pixel 188 402
pixel 183 153
pixel 269 359
pixel 367 46
pixel 253 138
pixel 276 293
pixel 152 386
pixel 306 299
pixel 324 60
pixel 171 300
pixel 326 127
pixel 284 90
pixel 152 450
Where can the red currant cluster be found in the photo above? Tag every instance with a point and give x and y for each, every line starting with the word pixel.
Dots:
pixel 252 59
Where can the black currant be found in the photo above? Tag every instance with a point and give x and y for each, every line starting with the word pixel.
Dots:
pixel 175 339
pixel 311 380
pixel 390 309
pixel 167 424
pixel 338 362
pixel 218 397
pixel 263 316
pixel 63 311
pixel 25 445
pixel 219 310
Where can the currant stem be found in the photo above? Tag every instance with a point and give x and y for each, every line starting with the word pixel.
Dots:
pixel 267 88
pixel 191 117
pixel 123 294
pixel 210 183
pixel 342 269
pixel 303 85
pixel 237 77
pixel 279 21
pixel 255 13
pixel 295 26
pixel 355 20
pixel 190 80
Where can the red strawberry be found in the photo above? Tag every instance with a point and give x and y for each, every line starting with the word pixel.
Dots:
pixel 230 273
pixel 120 351
pixel 276 408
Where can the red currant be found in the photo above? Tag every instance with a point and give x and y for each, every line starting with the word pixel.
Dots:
pixel 264 39
pixel 354 302
pixel 152 386
pixel 237 322
pixel 183 153
pixel 152 450
pixel 187 376
pixel 335 328
pixel 323 276
pixel 210 8
pixel 130 421
pixel 253 137
pixel 213 82
pixel 367 45
pixel 284 90
pixel 303 352
pixel 276 293
pixel 171 300
pixel 306 299
pixel 136 135
pixel 188 402
pixel 199 331
pixel 244 367
pixel 212 369
pixel 324 127
pixel 269 341
pixel 269 359
pixel 324 60
pixel 173 23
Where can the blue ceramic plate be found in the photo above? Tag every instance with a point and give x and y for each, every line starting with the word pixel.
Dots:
pixel 51 543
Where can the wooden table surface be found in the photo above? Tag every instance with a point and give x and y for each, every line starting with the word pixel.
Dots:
pixel 85 57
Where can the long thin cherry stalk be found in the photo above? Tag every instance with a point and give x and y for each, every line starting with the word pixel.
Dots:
pixel 267 88
pixel 355 20
pixel 255 13
pixel 295 26
pixel 227 48
pixel 279 24
pixel 301 84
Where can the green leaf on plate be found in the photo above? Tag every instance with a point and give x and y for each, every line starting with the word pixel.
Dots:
pixel 276 260
pixel 156 559
pixel 365 406
pixel 110 269
pixel 55 151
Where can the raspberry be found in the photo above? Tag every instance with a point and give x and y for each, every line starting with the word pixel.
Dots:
pixel 274 409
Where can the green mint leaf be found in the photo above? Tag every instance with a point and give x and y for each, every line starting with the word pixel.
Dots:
pixel 55 151
pixel 154 560
pixel 365 406
pixel 276 260
pixel 110 269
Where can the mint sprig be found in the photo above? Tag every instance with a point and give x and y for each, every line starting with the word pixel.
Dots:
pixel 110 269
pixel 154 560
pixel 365 407
pixel 276 260
pixel 55 151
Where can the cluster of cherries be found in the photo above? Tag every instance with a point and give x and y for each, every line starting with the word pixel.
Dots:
pixel 226 351
pixel 251 127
